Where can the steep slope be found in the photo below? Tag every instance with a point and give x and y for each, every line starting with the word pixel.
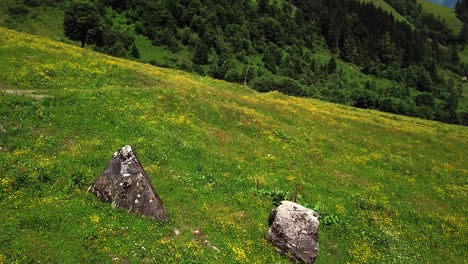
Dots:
pixel 403 74
pixel 388 187
pixel 384 6
pixel 447 14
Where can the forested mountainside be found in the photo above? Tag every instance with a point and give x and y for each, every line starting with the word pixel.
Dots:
pixel 349 52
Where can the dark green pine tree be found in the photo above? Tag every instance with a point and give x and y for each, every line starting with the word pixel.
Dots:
pixel 82 22
pixel 331 65
pixel 463 36
pixel 135 52
pixel 200 54
pixel 461 9
pixel 387 49
pixel 272 57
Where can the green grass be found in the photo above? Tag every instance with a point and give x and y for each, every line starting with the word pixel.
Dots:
pixel 42 21
pixel 464 98
pixel 158 55
pixel 396 185
pixel 447 14
pixel 150 52
pixel 463 55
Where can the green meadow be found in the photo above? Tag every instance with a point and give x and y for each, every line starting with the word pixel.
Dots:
pixel 388 188
pixel 447 14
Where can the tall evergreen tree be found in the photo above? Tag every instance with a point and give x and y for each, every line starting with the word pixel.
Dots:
pixel 82 22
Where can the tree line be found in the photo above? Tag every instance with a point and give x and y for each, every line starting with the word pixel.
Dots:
pixel 296 47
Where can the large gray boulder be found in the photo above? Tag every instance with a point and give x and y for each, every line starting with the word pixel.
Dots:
pixel 125 184
pixel 294 231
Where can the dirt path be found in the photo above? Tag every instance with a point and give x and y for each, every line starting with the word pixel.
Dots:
pixel 30 93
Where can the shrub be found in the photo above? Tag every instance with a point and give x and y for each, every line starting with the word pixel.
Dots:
pixel 286 85
pixel 18 10
pixel 365 99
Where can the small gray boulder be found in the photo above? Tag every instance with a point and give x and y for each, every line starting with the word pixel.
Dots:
pixel 294 231
pixel 125 184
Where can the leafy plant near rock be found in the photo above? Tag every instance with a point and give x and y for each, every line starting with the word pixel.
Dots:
pixel 277 195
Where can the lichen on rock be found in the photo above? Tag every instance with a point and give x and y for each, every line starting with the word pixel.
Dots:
pixel 294 231
pixel 124 183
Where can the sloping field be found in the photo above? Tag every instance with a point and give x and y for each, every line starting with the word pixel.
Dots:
pixel 447 14
pixel 388 188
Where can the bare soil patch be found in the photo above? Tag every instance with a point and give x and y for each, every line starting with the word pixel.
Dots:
pixel 30 93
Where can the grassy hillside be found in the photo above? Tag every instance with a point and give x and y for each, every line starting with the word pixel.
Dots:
pixel 43 21
pixel 388 188
pixel 447 14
